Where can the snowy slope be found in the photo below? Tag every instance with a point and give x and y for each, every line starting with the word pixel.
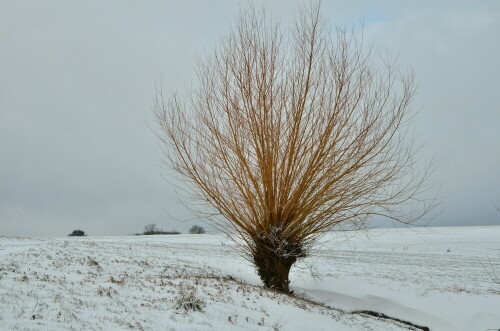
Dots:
pixel 438 277
pixel 134 282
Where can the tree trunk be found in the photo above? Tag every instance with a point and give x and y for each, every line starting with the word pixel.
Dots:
pixel 274 271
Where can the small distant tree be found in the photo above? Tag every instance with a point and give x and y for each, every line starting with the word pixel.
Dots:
pixel 151 229
pixel 77 233
pixel 196 230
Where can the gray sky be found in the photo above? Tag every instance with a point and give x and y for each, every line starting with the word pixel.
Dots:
pixel 77 80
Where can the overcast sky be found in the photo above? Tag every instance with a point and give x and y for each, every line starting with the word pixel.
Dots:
pixel 77 80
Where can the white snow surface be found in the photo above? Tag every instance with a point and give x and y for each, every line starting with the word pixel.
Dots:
pixel 435 277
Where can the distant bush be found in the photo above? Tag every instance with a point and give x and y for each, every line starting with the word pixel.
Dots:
pixel 77 233
pixel 151 229
pixel 197 230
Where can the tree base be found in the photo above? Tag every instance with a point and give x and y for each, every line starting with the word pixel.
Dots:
pixel 274 272
pixel 273 255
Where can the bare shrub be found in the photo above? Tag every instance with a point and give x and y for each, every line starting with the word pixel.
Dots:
pixel 93 263
pixel 289 136
pixel 188 300
pixel 493 271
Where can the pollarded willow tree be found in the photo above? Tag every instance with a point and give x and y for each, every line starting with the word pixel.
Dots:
pixel 288 136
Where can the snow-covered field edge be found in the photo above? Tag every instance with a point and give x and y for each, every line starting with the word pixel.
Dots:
pixel 435 277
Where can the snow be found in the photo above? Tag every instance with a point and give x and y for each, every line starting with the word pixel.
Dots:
pixel 435 277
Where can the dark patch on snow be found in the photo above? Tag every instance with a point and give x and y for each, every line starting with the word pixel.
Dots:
pixel 384 316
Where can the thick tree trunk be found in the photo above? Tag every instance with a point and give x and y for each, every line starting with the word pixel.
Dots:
pixel 274 271
pixel 273 256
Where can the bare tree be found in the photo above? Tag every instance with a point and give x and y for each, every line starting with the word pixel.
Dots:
pixel 196 229
pixel 289 136
pixel 151 229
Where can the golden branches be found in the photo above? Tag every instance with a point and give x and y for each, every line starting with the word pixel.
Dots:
pixel 300 132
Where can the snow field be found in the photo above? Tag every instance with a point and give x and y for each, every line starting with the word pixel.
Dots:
pixel 435 277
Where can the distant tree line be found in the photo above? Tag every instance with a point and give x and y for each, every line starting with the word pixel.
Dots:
pixel 149 229
pixel 152 229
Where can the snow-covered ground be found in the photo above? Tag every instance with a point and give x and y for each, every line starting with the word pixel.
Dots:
pixel 435 277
